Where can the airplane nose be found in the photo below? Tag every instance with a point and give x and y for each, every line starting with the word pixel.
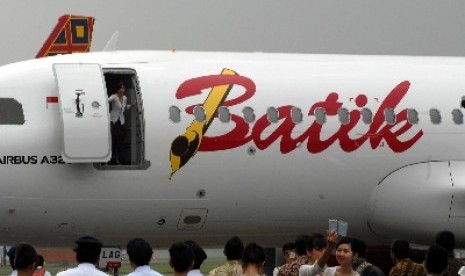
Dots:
pixel 413 202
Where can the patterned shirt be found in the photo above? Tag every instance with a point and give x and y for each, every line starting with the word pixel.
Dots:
pixel 407 267
pixel 292 269
pixel 231 268
pixel 364 268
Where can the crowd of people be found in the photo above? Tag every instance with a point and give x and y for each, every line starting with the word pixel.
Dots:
pixel 307 256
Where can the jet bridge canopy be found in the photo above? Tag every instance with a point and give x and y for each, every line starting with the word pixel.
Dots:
pixel 84 112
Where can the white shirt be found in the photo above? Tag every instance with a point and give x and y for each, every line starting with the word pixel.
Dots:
pixel 117 108
pixel 195 272
pixel 84 269
pixel 331 271
pixel 462 271
pixel 310 270
pixel 275 271
pixel 14 273
pixel 144 270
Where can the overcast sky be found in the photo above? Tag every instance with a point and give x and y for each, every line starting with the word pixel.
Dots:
pixel 403 27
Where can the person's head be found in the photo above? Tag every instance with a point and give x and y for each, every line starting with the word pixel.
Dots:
pixel 199 253
pixel 436 259
pixel 11 256
pixel 359 247
pixel 302 244
pixel 181 257
pixel 319 244
pixel 400 250
pixel 87 250
pixel 25 258
pixel 139 252
pixel 344 252
pixel 120 87
pixel 289 252
pixel 254 255
pixel 40 261
pixel 233 249
pixel 446 239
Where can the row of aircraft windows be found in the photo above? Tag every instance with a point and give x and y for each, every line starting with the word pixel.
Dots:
pixel 320 115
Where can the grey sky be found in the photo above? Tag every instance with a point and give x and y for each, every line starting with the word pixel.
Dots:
pixel 405 27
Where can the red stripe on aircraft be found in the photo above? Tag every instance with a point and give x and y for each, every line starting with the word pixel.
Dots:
pixel 52 100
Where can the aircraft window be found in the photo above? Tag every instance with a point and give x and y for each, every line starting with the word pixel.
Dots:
pixel 462 103
pixel 11 112
pixel 457 116
pixel 435 116
pixel 296 115
pixel 249 115
pixel 199 114
pixel 175 114
pixel 389 116
pixel 412 116
pixel 224 114
pixel 320 115
pixel 343 114
pixel 367 116
pixel 272 114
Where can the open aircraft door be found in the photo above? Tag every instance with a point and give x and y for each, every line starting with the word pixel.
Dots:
pixel 84 112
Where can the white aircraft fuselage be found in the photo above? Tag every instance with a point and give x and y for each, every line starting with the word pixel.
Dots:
pixel 398 173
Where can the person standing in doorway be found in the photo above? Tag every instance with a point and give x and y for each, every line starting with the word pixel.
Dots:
pixel 118 106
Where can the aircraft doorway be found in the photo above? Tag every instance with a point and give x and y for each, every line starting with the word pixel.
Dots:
pixel 132 145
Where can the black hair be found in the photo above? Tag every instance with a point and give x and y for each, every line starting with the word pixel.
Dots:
pixel 346 240
pixel 11 256
pixel 25 256
pixel 318 242
pixel 436 259
pixel 199 253
pixel 87 255
pixel 253 255
pixel 234 249
pixel 88 250
pixel 139 251
pixel 302 244
pixel 40 261
pixel 400 249
pixel 119 85
pixel 359 247
pixel 288 246
pixel 181 257
pixel 446 239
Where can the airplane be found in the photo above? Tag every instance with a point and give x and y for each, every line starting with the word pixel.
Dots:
pixel 259 145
